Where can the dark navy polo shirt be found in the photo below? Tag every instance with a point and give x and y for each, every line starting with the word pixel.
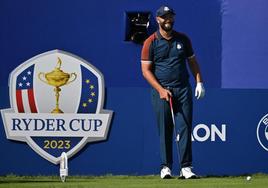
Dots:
pixel 168 58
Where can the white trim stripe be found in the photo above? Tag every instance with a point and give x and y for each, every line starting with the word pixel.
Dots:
pixel 146 62
pixel 25 101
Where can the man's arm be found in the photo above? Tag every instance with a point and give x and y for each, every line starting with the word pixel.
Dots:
pixel 149 76
pixel 199 90
pixel 194 67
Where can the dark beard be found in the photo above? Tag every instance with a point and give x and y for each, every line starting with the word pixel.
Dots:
pixel 167 28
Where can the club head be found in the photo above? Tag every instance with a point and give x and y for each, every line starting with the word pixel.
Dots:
pixel 177 138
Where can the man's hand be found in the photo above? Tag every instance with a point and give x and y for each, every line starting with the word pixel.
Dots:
pixel 199 90
pixel 164 94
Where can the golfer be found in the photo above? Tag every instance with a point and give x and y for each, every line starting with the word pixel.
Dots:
pixel 164 58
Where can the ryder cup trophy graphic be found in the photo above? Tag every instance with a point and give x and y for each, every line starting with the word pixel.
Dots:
pixel 57 78
pixel 56 124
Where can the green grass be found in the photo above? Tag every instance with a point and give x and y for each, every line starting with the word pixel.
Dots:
pixel 109 181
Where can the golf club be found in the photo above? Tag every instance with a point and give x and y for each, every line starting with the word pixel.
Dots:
pixel 177 136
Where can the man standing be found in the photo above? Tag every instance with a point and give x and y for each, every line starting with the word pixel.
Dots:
pixel 163 60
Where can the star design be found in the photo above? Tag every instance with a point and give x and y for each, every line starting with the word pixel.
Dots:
pixel 92 94
pixel 87 81
pixel 90 100
pixel 24 77
pixel 20 84
pixel 91 87
pixel 84 104
pixel 28 84
pixel 29 72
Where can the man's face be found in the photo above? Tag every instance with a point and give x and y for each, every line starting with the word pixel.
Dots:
pixel 166 22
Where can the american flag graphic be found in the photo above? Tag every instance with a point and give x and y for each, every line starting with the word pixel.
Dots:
pixel 24 91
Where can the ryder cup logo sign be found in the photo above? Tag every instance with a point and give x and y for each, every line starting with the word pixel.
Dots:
pixel 56 105
pixel 262 132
